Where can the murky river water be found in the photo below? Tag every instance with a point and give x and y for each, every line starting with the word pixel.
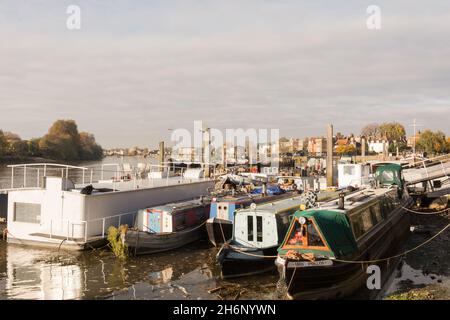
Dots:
pixel 187 273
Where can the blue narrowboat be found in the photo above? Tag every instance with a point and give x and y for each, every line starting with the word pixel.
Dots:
pixel 220 223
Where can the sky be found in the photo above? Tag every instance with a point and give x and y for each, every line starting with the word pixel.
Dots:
pixel 136 69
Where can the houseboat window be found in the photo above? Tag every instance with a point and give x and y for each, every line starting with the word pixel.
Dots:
pixel 27 212
pixel 314 239
pixel 259 229
pixel 349 170
pixel 367 220
pixel 250 228
pixel 388 206
pixel 297 235
pixel 179 221
pixel 376 213
pixel 357 225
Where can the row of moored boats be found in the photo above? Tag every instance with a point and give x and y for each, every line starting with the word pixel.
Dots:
pixel 314 239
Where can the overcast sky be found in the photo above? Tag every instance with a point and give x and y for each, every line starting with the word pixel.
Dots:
pixel 138 68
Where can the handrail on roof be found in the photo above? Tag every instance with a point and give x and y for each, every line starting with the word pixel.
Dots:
pixel 46 164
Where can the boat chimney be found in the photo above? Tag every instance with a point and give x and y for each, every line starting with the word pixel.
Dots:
pixel 341 201
pixel 264 189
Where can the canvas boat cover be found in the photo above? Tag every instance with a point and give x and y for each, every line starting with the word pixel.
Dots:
pixel 389 174
pixel 335 229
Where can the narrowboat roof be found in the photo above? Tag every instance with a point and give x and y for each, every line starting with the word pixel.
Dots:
pixel 229 198
pixel 355 200
pixel 275 206
pixel 182 205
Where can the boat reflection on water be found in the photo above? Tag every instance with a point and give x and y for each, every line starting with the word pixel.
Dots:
pixel 32 274
pixel 29 273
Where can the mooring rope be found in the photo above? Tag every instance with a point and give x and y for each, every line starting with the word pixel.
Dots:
pixel 425 213
pixel 397 255
pixel 223 234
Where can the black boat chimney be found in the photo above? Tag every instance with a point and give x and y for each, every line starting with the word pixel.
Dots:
pixel 341 201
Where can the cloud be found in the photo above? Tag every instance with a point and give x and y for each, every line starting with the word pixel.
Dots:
pixel 134 71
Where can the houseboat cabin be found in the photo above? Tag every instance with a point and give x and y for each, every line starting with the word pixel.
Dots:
pixel 220 222
pixel 173 217
pixel 257 233
pixel 167 227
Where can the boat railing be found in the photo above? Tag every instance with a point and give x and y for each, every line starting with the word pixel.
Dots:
pixel 68 226
pixel 25 176
pixel 44 169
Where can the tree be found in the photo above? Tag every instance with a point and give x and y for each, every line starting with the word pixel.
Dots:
pixel 62 141
pixel 15 146
pixel 348 149
pixel 33 147
pixel 432 142
pixel 393 131
pixel 3 144
pixel 90 150
pixel 371 131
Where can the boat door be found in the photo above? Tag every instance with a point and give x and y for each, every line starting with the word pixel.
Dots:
pixel 154 221
pixel 256 229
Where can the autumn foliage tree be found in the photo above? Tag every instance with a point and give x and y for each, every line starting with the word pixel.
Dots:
pixel 432 142
pixel 62 142
pixel 346 149
pixel 3 144
pixel 392 131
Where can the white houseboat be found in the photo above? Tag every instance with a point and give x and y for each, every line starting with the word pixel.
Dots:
pixel 47 208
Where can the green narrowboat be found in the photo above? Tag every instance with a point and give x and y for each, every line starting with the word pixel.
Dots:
pixel 326 250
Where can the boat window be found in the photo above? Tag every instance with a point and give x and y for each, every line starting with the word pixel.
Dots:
pixel 250 228
pixel 385 208
pixel 259 227
pixel 357 224
pixel 367 220
pixel 388 206
pixel 225 208
pixel 297 236
pixel 179 221
pixel 220 207
pixel 27 212
pixel 314 239
pixel 349 170
pixel 376 213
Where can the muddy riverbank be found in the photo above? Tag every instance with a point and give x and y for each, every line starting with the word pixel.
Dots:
pixel 425 273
